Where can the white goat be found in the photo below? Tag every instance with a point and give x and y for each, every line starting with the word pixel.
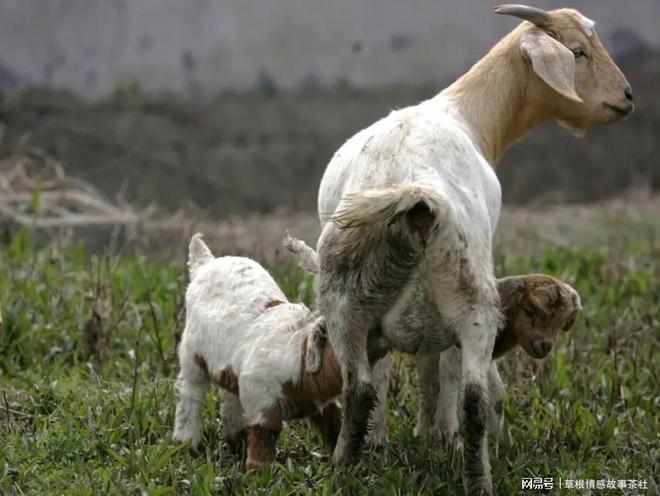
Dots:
pixel 242 334
pixel 444 150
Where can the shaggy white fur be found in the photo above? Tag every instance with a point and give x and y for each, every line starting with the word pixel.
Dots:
pixel 243 334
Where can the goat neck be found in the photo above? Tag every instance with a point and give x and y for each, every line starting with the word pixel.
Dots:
pixel 496 99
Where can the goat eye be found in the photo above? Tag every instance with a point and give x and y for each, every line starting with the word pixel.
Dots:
pixel 578 52
pixel 528 313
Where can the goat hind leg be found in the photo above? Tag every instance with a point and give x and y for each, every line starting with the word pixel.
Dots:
pixel 233 421
pixel 378 428
pixel 349 341
pixel 477 336
pixel 447 422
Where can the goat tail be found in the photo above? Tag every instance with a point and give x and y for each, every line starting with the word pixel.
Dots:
pixel 307 257
pixel 423 208
pixel 198 254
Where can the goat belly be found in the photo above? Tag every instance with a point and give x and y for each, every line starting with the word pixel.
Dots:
pixel 414 325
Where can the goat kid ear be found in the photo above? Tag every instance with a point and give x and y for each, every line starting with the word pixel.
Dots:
pixel 552 62
pixel 570 320
pixel 315 343
pixel 577 306
pixel 511 291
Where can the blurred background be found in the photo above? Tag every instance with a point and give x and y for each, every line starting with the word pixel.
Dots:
pixel 236 106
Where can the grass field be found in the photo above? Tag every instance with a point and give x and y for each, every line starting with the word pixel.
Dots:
pixel 87 363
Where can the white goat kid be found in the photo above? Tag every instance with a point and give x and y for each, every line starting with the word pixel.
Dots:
pixel 551 68
pixel 242 334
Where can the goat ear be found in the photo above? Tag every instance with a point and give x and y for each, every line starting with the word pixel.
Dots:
pixel 315 343
pixel 552 62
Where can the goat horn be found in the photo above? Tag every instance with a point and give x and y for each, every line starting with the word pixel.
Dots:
pixel 532 14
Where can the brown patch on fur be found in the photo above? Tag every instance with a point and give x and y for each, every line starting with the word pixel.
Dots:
pixel 272 418
pixel 273 303
pixel 262 438
pixel 227 380
pixel 261 446
pixel 201 362
pixel 301 398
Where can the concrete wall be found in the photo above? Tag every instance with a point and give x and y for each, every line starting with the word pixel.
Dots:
pixel 199 48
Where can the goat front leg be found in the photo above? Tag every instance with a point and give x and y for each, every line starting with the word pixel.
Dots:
pixel 192 384
pixel 349 341
pixel 477 335
pixel 429 388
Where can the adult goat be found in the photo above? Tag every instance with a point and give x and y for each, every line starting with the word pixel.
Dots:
pixel 551 67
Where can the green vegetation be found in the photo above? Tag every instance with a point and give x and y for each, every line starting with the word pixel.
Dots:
pixel 87 363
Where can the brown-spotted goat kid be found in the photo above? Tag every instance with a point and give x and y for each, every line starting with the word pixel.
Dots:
pixel 536 308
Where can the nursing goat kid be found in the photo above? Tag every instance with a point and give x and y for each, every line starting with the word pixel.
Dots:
pixel 535 307
pixel 551 67
pixel 243 335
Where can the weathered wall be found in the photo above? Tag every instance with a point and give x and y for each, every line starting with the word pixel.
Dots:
pixel 199 48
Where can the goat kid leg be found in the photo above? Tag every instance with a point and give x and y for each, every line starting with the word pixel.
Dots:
pixel 477 336
pixel 262 438
pixel 192 384
pixel 327 423
pixel 233 421
pixel 429 388
pixel 378 429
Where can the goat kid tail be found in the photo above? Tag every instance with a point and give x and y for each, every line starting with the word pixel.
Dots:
pixel 423 208
pixel 306 256
pixel 198 254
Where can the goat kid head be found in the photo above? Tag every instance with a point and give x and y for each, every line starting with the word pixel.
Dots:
pixel 537 307
pixel 563 50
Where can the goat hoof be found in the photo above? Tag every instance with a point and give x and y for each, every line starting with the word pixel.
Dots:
pixel 453 443
pixel 186 438
pixel 378 437
pixel 423 431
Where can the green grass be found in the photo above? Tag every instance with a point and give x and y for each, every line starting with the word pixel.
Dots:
pixel 87 363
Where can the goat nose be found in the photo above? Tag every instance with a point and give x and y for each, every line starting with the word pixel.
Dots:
pixel 546 346
pixel 628 93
